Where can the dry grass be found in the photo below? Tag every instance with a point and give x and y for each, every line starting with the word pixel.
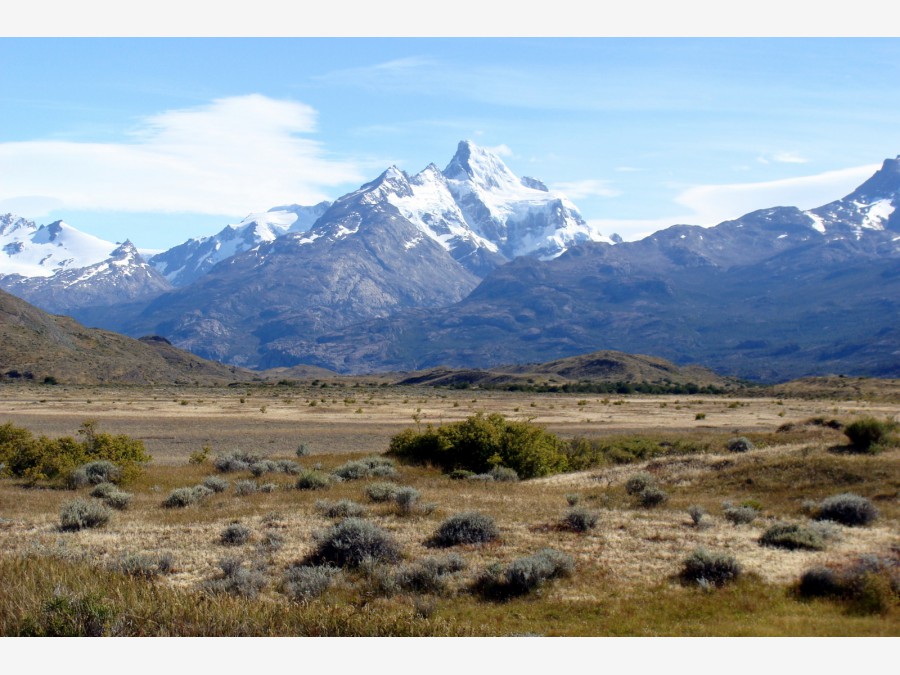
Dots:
pixel 624 582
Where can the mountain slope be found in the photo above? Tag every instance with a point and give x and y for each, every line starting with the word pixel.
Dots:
pixel 777 294
pixel 189 261
pixel 35 345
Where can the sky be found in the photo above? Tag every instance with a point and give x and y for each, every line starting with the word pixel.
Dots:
pixel 161 139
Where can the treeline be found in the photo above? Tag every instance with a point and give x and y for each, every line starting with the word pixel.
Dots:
pixel 593 387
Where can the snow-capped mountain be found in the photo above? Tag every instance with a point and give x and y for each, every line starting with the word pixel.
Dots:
pixel 124 276
pixel 482 213
pixel 189 261
pixel 519 215
pixel 32 250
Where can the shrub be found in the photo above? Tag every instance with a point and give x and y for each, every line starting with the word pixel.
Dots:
pixel 234 535
pixel 704 567
pixel 312 480
pixel 200 456
pixel 639 482
pixel 79 514
pixel 302 450
pixel 847 509
pixel 740 444
pixel 573 499
pixel 245 487
pixel 236 579
pixel 118 500
pixel 820 582
pixel 429 575
pixel 95 473
pixel 344 508
pixel 69 615
pixel 523 575
pixel 793 537
pixel 740 515
pixel 263 466
pixel 306 582
pixel 365 468
pixel 696 513
pixel 103 489
pixel 56 460
pixel 868 434
pixel 465 528
pixel 238 460
pixel 480 443
pixel 652 496
pixel 461 474
pixel 504 474
pixel 580 520
pixel 215 483
pixel 382 492
pixel 185 496
pixel 146 566
pixel 353 541
pixel 289 467
pixel 406 498
pixel 869 586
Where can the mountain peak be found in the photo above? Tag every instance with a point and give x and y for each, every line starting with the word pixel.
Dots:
pixel 480 166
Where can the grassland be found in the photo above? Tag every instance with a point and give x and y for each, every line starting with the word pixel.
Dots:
pixel 625 580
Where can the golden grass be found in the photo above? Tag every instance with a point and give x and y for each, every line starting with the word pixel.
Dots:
pixel 624 583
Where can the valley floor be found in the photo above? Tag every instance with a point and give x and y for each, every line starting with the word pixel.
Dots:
pixel 625 579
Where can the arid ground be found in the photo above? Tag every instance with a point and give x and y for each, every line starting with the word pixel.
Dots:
pixel 625 579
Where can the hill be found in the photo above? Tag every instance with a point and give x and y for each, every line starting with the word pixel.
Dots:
pixel 42 347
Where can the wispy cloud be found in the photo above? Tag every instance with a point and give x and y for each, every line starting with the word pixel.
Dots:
pixel 782 158
pixel 711 204
pixel 581 189
pixel 228 157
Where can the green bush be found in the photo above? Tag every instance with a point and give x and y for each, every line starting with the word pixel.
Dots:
pixel 215 483
pixel 868 434
pixel 708 568
pixel 465 528
pixel 481 443
pixel 57 459
pixel 103 489
pixel 69 615
pixel 792 537
pixel 740 515
pixel 79 514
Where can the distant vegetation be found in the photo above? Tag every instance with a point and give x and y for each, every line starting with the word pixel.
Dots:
pixel 66 459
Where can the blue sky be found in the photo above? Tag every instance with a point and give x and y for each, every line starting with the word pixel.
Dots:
pixel 158 140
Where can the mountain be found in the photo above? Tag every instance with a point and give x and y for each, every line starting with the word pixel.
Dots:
pixel 29 250
pixel 189 261
pixel 41 347
pixel 397 242
pixel 777 294
pixel 122 277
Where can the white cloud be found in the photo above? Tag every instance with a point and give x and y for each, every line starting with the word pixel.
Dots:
pixel 501 150
pixel 231 156
pixel 586 188
pixel 782 158
pixel 711 204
